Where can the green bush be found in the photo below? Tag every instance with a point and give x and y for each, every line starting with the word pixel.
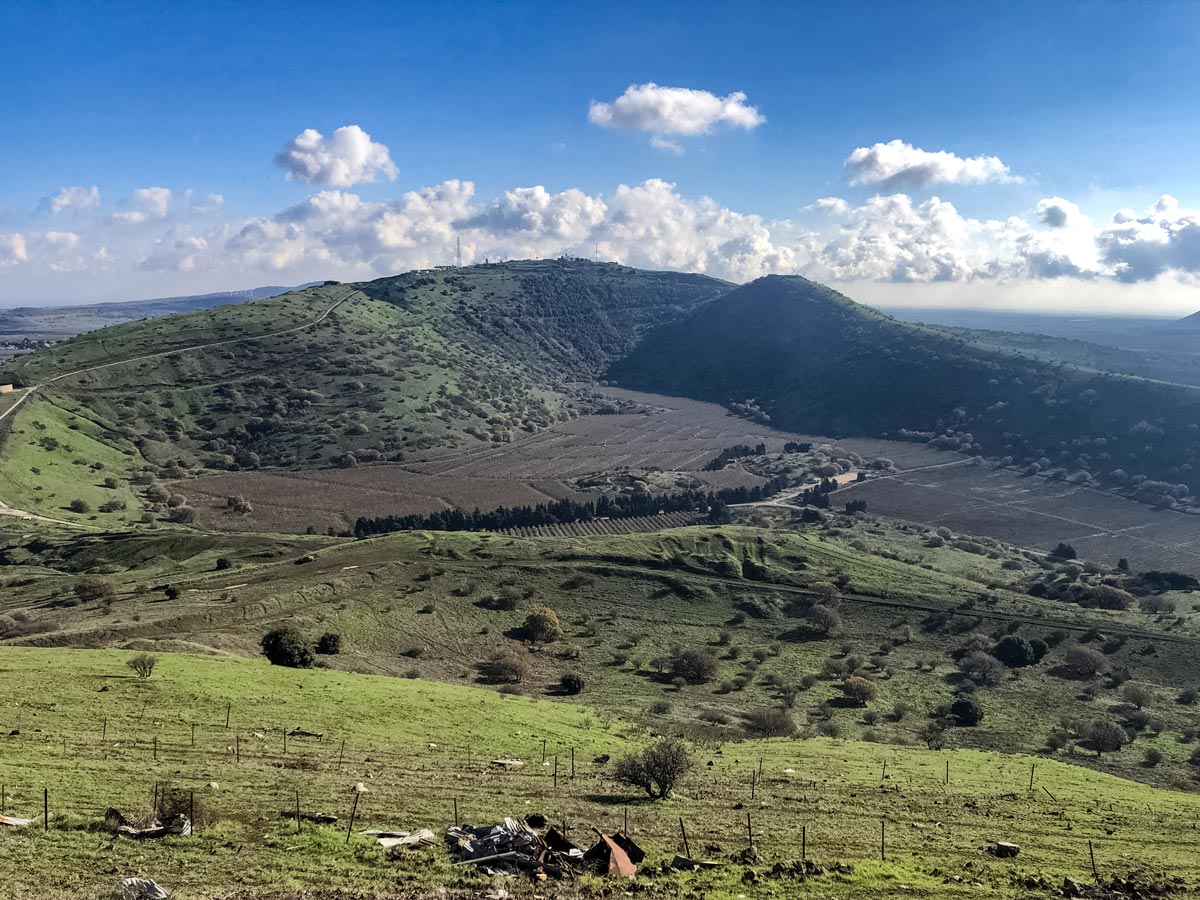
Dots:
pixel 286 647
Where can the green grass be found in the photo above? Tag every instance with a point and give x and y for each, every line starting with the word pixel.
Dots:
pixel 88 730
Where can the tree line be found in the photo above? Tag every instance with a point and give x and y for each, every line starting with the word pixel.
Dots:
pixel 567 511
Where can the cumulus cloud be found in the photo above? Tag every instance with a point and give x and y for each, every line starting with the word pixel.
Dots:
pixel 13 250
pixel 145 205
pixel 678 111
pixel 895 239
pixel 898 165
pixel 1057 212
pixel 76 198
pixel 1141 248
pixel 346 158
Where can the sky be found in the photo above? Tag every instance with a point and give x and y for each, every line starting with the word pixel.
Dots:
pixel 1019 155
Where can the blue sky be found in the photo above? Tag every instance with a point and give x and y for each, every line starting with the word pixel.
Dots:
pixel 1093 104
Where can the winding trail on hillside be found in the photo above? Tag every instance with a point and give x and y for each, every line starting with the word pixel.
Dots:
pixel 6 510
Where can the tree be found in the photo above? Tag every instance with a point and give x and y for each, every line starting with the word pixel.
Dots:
pixel 1103 736
pixel 966 711
pixel 657 769
pixel 285 646
pixel 858 690
pixel 543 625
pixel 933 733
pixel 330 644
pixel 825 619
pixel 772 722
pixel 1137 695
pixel 695 666
pixel 571 683
pixel 1063 551
pixel 1015 652
pixel 80 506
pixel 1085 662
pixel 94 587
pixel 981 668
pixel 509 666
pixel 143 664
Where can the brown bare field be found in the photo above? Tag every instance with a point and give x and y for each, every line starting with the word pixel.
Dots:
pixel 1038 513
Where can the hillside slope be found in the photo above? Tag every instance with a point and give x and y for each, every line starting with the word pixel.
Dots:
pixel 810 359
pixel 411 365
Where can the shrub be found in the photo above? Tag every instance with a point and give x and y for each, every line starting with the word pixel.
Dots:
pixel 143 664
pixel 286 647
pixel 1103 736
pixel 94 587
pixel 773 722
pixel 1085 662
pixel 982 668
pixel 330 644
pixel 1137 695
pixel 80 506
pixel 1152 758
pixel 966 711
pixel 571 683
pixel 858 690
pixel 1014 651
pixel 657 769
pixel 933 733
pixel 508 666
pixel 660 708
pixel 1188 697
pixel 542 625
pixel 824 619
pixel 695 666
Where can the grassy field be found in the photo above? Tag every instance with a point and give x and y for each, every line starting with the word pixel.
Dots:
pixel 88 731
pixel 435 606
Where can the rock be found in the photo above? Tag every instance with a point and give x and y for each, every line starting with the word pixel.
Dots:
pixel 1073 888
pixel 1005 850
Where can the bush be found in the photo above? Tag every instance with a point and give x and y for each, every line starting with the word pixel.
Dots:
pixel 286 647
pixel 660 708
pixel 858 690
pixel 1085 662
pixel 695 666
pixel 571 683
pixel 143 664
pixel 1103 736
pixel 1015 652
pixel 330 644
pixel 657 769
pixel 982 668
pixel 543 625
pixel 1137 695
pixel 824 619
pixel 966 711
pixel 94 587
pixel 80 506
pixel 933 733
pixel 508 666
pixel 1152 757
pixel 1188 697
pixel 774 722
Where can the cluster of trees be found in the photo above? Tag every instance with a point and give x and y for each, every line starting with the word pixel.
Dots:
pixel 286 646
pixel 729 454
pixel 562 512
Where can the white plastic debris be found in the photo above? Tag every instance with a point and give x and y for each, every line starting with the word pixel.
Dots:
pixel 143 889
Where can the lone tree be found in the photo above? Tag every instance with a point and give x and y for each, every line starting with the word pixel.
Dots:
pixel 695 666
pixel 1015 652
pixel 542 625
pixel 1063 551
pixel 143 664
pixel 330 644
pixel 858 690
pixel 966 711
pixel 94 587
pixel 824 619
pixel 286 647
pixel 1104 736
pixel 1085 662
pixel 657 769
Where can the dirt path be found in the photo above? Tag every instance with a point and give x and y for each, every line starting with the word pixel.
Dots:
pixel 845 480
pixel 6 510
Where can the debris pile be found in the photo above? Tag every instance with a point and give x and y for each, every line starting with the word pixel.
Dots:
pixel 178 824
pixel 513 847
pixel 14 822
pixel 142 889
pixel 422 837
pixel 1117 888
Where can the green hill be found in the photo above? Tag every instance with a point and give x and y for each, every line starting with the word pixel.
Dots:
pixel 418 364
pixel 809 359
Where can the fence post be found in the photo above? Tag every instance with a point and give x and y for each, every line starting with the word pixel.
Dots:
pixel 882 839
pixel 193 734
pixel 1032 766
pixel 46 810
pixel 297 810
pixel 192 811
pixel 228 707
pixel 104 730
pixel 686 851
pixel 749 830
pixel 803 843
pixel 353 812
pixel 1092 854
pixel 556 771
pixel 340 752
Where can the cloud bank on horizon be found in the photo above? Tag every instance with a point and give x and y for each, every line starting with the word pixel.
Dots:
pixel 901 234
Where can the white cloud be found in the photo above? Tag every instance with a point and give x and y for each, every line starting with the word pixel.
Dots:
pixel 1142 248
pixel 1057 212
pixel 13 251
pixel 346 158
pixel 897 165
pixel 146 204
pixel 892 238
pixel 76 198
pixel 178 255
pixel 674 111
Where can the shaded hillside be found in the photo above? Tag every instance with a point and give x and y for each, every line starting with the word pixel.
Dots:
pixel 424 362
pixel 809 359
